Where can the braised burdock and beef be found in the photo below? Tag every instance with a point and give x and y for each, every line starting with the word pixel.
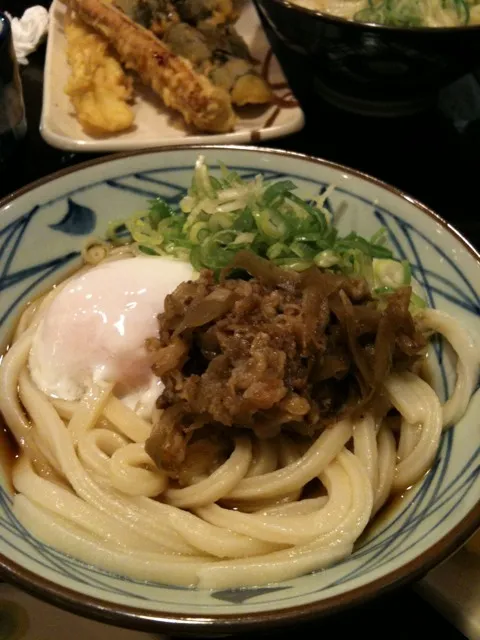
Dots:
pixel 280 351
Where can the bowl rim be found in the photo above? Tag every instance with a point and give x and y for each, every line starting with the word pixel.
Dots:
pixel 158 621
pixel 327 17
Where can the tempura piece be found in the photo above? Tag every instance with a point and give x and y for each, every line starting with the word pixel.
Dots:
pixel 156 15
pixel 173 78
pixel 242 82
pixel 213 47
pixel 159 15
pixel 98 87
pixel 206 12
pixel 220 54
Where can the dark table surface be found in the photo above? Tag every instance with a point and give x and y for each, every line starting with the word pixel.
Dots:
pixel 425 155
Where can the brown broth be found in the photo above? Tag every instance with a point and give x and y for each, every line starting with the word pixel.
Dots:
pixel 9 452
pixel 386 514
pixel 9 448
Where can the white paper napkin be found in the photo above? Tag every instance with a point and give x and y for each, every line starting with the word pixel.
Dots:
pixel 28 31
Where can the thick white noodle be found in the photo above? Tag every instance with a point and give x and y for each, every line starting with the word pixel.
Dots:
pixel 365 446
pixel 10 406
pixel 386 467
pixel 218 542
pixel 70 539
pixel 409 436
pixel 65 503
pixel 418 403
pixel 219 483
pixel 307 557
pixel 70 536
pixel 133 472
pixel 119 506
pixel 288 529
pixel 299 508
pixel 96 447
pixel 296 475
pixel 42 414
pixel 468 361
pixel 126 420
pixel 87 487
pixel 264 457
pixel 89 410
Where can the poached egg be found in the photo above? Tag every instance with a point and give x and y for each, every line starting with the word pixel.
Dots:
pixel 95 330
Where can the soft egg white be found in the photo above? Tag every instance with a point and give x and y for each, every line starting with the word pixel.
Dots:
pixel 95 330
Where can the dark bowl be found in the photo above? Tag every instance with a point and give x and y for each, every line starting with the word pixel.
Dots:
pixel 369 68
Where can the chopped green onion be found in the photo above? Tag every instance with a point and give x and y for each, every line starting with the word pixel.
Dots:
pixel 148 250
pixel 270 224
pixel 196 258
pixel 158 211
pixel 382 291
pixel 202 180
pixel 222 214
pixel 417 302
pixel 326 259
pixel 303 250
pixel 313 211
pixel 198 232
pixel 243 220
pixel 294 264
pixel 244 238
pixel 277 189
pixel 391 273
pixel 407 272
pixel 379 237
pixel 220 221
pixel 216 184
pixel 276 250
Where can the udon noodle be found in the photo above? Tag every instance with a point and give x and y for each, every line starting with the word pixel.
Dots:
pixel 401 13
pixel 85 485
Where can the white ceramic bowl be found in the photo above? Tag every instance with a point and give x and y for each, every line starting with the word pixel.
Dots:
pixel 42 229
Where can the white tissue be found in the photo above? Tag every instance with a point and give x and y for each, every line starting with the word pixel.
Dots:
pixel 28 31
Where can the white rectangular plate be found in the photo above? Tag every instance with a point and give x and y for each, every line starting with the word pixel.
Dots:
pixel 155 125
